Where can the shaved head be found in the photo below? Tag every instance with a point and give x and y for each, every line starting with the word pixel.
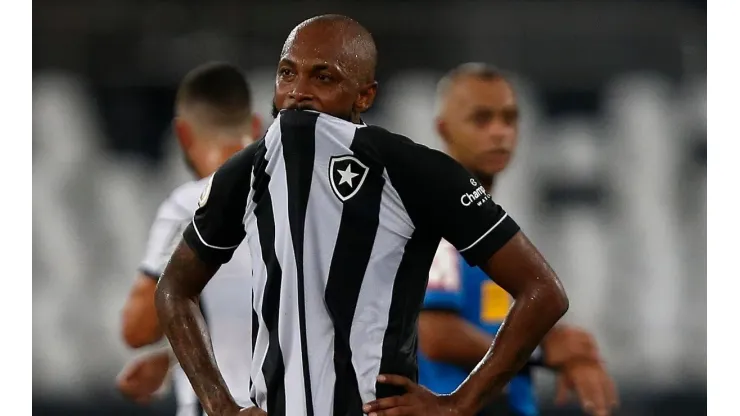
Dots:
pixel 476 70
pixel 358 53
pixel 327 64
pixel 478 118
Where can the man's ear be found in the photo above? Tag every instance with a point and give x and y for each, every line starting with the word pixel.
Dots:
pixel 367 97
pixel 184 133
pixel 442 130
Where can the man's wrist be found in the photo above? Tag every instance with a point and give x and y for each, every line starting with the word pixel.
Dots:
pixel 469 399
pixel 465 402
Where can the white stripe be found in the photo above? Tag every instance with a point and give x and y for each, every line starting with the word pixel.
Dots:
pixel 288 324
pixel 323 218
pixel 259 276
pixel 195 226
pixel 338 121
pixel 485 234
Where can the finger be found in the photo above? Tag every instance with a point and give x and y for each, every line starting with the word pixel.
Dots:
pixel 610 390
pixel 386 403
pixel 398 381
pixel 562 391
pixel 125 374
pixel 133 371
pixel 588 388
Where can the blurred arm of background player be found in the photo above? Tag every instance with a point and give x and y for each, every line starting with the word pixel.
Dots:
pixel 142 377
pixel 444 336
pixel 213 122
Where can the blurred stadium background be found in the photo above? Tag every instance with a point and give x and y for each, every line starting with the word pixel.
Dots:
pixel 610 178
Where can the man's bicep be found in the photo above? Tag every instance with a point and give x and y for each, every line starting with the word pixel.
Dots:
pixel 187 273
pixel 518 264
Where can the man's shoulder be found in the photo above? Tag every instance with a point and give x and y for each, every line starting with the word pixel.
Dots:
pixel 386 137
pixel 393 148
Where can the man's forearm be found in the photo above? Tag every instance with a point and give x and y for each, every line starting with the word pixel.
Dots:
pixel 534 313
pixel 447 337
pixel 184 326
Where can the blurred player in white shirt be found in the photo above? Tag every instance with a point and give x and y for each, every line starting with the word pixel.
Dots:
pixel 213 121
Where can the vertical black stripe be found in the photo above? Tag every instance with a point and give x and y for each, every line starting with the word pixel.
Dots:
pixel 298 135
pixel 273 367
pixel 354 245
pixel 400 340
pixel 255 330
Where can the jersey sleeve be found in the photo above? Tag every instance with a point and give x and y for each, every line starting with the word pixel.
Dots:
pixel 217 228
pixel 445 288
pixel 443 197
pixel 164 235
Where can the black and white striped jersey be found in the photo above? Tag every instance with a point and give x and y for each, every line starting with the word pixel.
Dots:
pixel 225 301
pixel 342 222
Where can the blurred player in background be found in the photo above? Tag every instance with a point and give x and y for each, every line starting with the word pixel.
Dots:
pixel 213 121
pixel 463 309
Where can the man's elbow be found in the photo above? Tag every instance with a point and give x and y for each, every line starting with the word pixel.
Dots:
pixel 548 296
pixel 555 297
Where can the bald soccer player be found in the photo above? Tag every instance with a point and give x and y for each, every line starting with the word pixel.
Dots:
pixel 342 220
pixel 478 121
pixel 213 121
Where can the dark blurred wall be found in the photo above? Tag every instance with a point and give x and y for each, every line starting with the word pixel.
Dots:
pixel 135 52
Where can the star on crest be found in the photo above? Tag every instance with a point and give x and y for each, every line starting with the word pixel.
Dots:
pixel 347 176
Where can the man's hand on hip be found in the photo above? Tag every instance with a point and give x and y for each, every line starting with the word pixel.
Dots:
pixel 418 401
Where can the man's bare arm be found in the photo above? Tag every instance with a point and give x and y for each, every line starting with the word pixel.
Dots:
pixel 539 302
pixel 140 325
pixel 182 321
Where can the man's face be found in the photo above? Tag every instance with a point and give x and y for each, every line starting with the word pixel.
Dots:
pixel 315 73
pixel 480 122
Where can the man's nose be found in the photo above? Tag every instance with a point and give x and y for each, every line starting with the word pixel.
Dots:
pixel 498 132
pixel 301 91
